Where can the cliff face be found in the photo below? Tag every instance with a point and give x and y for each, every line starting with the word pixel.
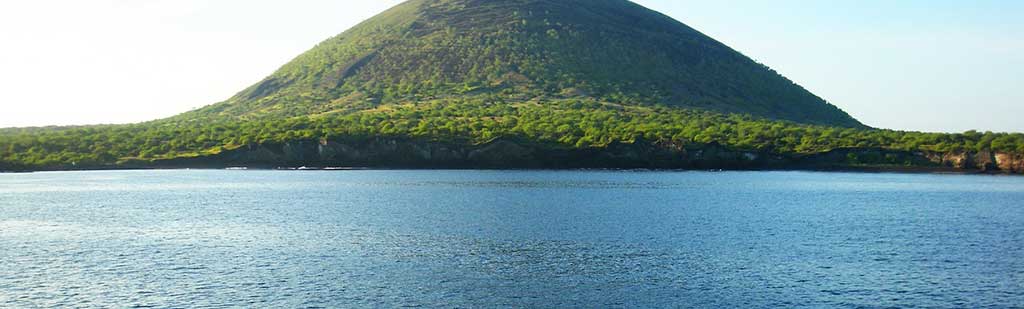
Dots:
pixel 966 161
pixel 986 161
pixel 509 153
pixel 401 153
pixel 1013 163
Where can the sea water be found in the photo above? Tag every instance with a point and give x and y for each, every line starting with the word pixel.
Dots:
pixel 307 239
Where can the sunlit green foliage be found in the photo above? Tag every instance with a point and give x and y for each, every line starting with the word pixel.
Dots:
pixel 560 123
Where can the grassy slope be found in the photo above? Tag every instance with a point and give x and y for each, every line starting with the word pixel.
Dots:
pixel 611 50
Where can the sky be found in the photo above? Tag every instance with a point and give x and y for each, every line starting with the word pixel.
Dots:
pixel 923 65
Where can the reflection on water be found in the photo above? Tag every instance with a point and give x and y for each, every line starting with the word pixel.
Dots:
pixel 499 239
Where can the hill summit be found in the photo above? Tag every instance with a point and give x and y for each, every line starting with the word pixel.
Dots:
pixel 524 50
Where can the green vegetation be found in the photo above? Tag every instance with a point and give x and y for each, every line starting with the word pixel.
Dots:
pixel 564 73
pixel 563 123
pixel 608 50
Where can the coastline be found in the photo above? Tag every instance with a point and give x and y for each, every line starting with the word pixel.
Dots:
pixel 514 154
pixel 847 169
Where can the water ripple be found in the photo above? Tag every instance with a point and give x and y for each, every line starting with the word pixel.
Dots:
pixel 213 239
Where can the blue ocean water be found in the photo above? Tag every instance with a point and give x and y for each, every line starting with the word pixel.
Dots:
pixel 307 239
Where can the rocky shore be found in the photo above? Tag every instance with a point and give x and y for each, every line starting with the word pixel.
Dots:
pixel 518 154
pixel 399 153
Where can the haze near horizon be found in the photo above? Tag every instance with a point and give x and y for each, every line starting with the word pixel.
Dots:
pixel 914 65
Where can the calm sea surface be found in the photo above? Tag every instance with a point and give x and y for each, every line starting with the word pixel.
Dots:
pixel 297 239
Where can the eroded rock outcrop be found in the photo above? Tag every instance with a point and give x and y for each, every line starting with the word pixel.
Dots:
pixel 957 160
pixel 1013 163
pixel 984 161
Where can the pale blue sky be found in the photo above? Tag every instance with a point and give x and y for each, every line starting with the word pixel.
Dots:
pixel 913 64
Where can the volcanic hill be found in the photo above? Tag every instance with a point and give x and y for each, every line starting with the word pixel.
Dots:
pixel 515 84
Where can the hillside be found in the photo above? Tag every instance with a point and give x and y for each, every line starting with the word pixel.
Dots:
pixel 610 50
pixel 515 84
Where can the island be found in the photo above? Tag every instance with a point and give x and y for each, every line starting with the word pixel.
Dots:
pixel 510 85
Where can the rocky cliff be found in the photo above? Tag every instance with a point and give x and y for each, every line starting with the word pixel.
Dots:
pixel 502 153
pixel 1013 163
pixel 511 153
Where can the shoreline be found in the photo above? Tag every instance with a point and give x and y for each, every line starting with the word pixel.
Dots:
pixel 511 154
pixel 849 169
